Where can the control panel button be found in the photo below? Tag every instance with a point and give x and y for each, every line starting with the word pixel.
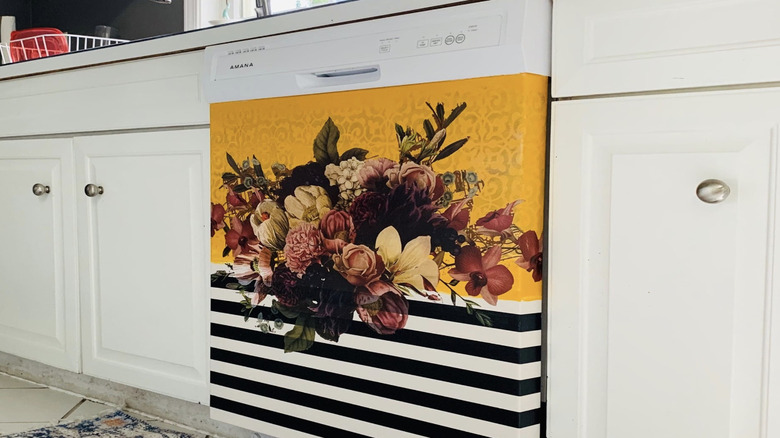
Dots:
pixel 460 38
pixel 436 41
pixel 449 40
pixel 384 48
pixel 422 44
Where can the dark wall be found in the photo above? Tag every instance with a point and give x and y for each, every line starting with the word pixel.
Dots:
pixel 134 18
pixel 19 9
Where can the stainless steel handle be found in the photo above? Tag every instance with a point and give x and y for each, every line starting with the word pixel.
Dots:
pixel 93 190
pixel 713 191
pixel 40 189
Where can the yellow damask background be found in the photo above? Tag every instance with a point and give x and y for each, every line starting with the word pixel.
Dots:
pixel 505 120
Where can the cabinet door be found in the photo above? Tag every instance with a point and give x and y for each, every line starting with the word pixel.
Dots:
pixel 143 239
pixel 612 46
pixel 38 285
pixel 660 304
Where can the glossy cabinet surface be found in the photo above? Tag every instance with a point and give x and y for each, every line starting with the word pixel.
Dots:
pixel 38 286
pixel 661 305
pixel 143 242
pixel 618 46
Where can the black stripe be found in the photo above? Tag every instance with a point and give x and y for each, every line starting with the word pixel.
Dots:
pixel 406 395
pixel 283 420
pixel 446 312
pixel 501 320
pixel 412 337
pixel 378 360
pixel 362 413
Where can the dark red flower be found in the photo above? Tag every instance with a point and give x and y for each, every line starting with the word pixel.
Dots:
pixel 240 236
pixel 217 218
pixel 383 308
pixel 234 199
pixel 483 273
pixel 284 288
pixel 457 217
pixel 531 249
pixel 498 220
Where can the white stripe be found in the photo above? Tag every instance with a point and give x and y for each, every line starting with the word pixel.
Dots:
pixel 426 414
pixel 466 331
pixel 256 425
pixel 397 349
pixel 310 414
pixel 409 381
pixel 507 306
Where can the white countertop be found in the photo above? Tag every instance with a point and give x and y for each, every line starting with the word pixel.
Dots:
pixel 198 39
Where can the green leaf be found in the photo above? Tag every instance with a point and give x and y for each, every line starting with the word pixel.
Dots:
pixel 301 337
pixel 326 144
pixel 451 149
pixel 258 167
pixel 454 297
pixel 226 251
pixel 429 131
pixel 440 112
pixel 436 117
pixel 228 177
pixel 454 282
pixel 484 319
pixel 399 131
pixel 454 114
pixel 284 310
pixel 240 189
pixel 358 153
pixel 232 163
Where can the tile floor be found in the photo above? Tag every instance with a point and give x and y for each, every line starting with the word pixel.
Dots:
pixel 26 405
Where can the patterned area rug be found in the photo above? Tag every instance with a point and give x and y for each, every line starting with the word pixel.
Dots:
pixel 114 425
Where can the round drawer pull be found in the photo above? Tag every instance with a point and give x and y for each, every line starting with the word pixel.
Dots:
pixel 40 189
pixel 713 191
pixel 93 190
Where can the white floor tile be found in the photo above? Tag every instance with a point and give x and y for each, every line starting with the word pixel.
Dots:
pixel 34 405
pixel 7 382
pixel 7 428
pixel 89 410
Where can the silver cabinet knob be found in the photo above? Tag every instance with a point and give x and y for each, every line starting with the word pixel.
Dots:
pixel 713 191
pixel 93 190
pixel 40 189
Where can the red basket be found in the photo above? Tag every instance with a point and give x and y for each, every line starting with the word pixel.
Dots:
pixel 36 43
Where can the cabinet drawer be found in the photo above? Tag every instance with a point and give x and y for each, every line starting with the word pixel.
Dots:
pixel 617 46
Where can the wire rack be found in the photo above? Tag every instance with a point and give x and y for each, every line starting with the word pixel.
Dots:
pixel 41 46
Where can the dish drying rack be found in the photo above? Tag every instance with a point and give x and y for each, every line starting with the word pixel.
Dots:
pixel 41 46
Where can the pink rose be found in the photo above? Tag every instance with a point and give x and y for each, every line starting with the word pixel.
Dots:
pixel 358 264
pixel 385 309
pixel 372 174
pixel 421 176
pixel 302 246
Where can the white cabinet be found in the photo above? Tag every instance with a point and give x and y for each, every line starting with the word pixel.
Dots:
pixel 615 46
pixel 38 285
pixel 143 246
pixel 660 305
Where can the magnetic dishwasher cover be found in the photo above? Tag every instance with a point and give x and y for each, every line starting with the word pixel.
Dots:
pixel 376 254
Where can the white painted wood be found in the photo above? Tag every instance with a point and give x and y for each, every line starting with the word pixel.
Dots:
pixel 614 46
pixel 658 318
pixel 143 253
pixel 39 290
pixel 149 93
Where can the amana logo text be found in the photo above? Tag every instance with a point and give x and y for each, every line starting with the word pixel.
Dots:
pixel 235 66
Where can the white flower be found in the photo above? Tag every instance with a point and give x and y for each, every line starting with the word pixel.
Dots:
pixel 270 224
pixel 410 265
pixel 307 204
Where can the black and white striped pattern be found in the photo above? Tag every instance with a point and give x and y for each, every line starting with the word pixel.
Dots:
pixel 443 375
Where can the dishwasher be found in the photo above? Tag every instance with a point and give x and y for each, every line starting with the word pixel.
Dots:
pixel 377 214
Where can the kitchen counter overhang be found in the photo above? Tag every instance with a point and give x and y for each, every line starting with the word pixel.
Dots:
pixel 350 11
